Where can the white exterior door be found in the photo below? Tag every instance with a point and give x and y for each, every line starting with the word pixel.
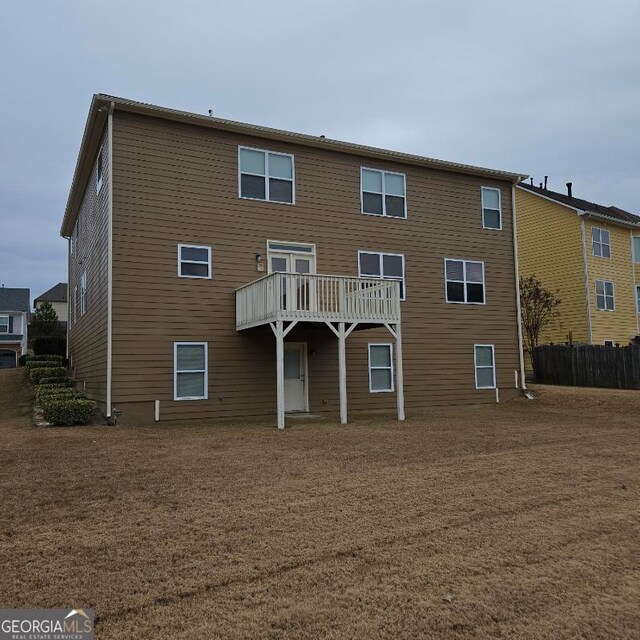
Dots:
pixel 295 376
pixel 290 258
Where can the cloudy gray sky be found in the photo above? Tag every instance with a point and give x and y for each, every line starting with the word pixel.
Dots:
pixel 538 87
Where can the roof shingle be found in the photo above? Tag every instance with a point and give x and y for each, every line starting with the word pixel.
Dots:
pixel 14 299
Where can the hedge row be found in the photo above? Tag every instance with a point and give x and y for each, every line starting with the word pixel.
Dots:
pixel 67 411
pixel 49 374
pixel 50 358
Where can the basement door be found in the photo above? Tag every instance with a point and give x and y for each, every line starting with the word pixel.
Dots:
pixel 295 377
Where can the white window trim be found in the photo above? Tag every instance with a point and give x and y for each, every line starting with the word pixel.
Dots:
pixel 390 347
pixel 636 255
pixel 384 213
pixel 99 172
pixel 637 288
pixel 266 176
pixel 602 244
pixel 291 250
pixel 208 262
pixel 83 293
pixel 482 190
pixel 476 367
pixel 381 277
pixel 613 288
pixel 2 317
pixel 205 371
pixel 464 282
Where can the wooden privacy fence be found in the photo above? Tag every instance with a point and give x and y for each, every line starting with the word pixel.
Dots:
pixel 588 365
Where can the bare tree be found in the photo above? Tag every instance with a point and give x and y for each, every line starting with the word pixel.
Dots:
pixel 538 306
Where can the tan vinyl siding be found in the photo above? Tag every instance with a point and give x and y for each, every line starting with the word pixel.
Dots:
pixel 550 248
pixel 88 333
pixel 176 183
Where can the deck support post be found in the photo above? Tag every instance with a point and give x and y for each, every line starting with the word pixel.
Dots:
pixel 279 333
pixel 399 373
pixel 342 372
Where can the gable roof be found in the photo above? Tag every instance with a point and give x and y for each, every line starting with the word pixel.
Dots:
pixel 57 293
pixel 613 213
pixel 103 104
pixel 14 299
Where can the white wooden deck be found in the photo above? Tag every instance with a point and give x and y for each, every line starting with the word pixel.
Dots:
pixel 298 297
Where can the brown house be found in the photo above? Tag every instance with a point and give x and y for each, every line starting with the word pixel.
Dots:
pixel 221 270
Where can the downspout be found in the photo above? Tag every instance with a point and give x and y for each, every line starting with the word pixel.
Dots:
pixel 514 224
pixel 110 261
pixel 635 285
pixel 586 275
pixel 68 296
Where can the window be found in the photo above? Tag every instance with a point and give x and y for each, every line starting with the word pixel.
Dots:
pixel 383 193
pixel 601 242
pixel 4 324
pixel 484 362
pixel 74 238
pixel 387 266
pixel 491 208
pixel 380 368
pixel 83 293
pixel 194 261
pixel 75 304
pixel 99 171
pixel 464 281
pixel 636 249
pixel 190 371
pixel 609 343
pixel 605 299
pixel 265 175
pixel 638 298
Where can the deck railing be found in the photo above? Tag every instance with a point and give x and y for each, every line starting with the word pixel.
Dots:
pixel 317 298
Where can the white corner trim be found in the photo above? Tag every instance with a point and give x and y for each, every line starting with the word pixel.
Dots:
pixel 514 224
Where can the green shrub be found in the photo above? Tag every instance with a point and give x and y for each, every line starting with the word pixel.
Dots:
pixel 39 375
pixel 22 360
pixel 58 359
pixel 58 384
pixel 43 395
pixel 42 364
pixel 67 412
pixel 54 380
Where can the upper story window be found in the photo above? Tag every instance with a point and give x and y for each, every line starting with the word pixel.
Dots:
pixel 605 297
pixel 83 293
pixel 99 170
pixel 73 245
pixel 601 242
pixel 465 281
pixel 638 298
pixel 491 208
pixel 4 324
pixel 485 365
pixel 194 261
pixel 636 249
pixel 383 193
pixel 266 175
pixel 387 266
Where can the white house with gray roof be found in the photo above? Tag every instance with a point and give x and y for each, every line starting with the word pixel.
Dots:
pixel 14 320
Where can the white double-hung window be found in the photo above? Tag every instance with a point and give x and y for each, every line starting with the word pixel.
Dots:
pixel 485 366
pixel 83 293
pixel 194 261
pixel 464 281
pixel 4 324
pixel 383 193
pixel 190 371
pixel 266 175
pixel 605 296
pixel 601 242
pixel 380 367
pixel 386 266
pixel 491 208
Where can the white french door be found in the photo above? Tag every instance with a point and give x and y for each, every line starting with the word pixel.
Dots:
pixel 296 293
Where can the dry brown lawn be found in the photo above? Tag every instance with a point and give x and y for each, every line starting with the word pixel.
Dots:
pixel 511 521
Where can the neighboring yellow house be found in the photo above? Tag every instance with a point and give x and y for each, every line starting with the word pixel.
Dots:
pixel 589 255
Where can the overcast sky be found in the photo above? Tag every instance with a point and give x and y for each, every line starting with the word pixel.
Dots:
pixel 543 88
